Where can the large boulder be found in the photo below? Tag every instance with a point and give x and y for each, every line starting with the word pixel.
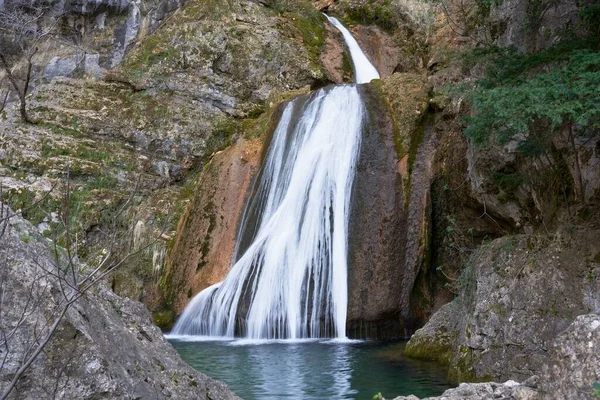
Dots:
pixel 105 346
pixel 518 294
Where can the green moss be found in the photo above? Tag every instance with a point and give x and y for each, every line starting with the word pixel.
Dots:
pixel 371 12
pixel 430 350
pixel 308 23
pixel 209 213
pixel 461 368
pixel 25 238
pixel 224 128
pixel 33 206
pixel 311 26
pixel 347 65
pixel 164 319
pixel 58 129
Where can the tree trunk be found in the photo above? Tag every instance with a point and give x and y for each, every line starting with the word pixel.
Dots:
pixel 579 192
pixel 22 93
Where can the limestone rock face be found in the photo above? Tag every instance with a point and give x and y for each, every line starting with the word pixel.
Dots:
pixel 105 347
pixel 231 55
pixel 203 249
pixel 185 92
pixel 518 294
pixel 509 21
pixel 383 256
pixel 104 31
pixel 573 364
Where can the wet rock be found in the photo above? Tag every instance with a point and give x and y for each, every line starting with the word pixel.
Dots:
pixel 436 340
pixel 335 57
pixel 206 235
pixel 375 232
pixel 383 256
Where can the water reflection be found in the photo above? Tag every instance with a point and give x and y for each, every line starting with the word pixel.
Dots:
pixel 313 370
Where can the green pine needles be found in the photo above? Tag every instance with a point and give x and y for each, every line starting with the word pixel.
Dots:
pixel 529 97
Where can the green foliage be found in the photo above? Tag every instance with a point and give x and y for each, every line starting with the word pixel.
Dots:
pixel 372 12
pixel 509 182
pixel 590 15
pixel 545 90
pixel 596 389
pixel 307 21
pixel 378 396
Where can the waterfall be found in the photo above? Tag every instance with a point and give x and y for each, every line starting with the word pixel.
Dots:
pixel 364 71
pixel 289 279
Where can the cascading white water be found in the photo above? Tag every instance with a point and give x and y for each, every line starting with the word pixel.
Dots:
pixel 289 279
pixel 365 72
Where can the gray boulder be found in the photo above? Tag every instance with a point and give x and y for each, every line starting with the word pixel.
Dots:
pixel 105 346
pixel 518 295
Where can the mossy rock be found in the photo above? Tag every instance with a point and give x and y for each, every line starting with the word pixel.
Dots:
pixel 165 320
pixel 437 340
pixel 407 97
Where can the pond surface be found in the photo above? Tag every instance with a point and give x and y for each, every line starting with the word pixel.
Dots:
pixel 311 370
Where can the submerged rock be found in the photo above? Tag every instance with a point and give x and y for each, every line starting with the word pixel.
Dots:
pixel 105 347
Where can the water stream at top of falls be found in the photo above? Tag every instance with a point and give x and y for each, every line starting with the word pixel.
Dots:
pixel 289 279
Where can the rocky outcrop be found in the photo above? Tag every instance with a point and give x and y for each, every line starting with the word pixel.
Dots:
pixel 380 47
pixel 395 35
pixel 94 35
pixel 231 56
pixel 509 390
pixel 531 27
pixel 105 346
pixel 185 92
pixel 436 340
pixel 517 295
pixel 571 367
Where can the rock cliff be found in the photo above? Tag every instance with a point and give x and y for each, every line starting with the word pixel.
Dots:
pixel 188 86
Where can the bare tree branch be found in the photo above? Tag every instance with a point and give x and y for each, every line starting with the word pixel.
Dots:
pixel 72 279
